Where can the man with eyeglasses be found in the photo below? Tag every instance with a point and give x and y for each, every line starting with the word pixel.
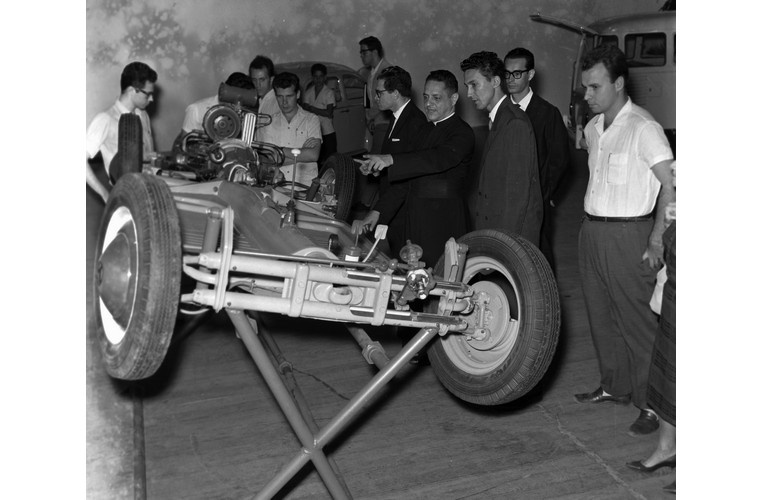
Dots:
pixel 137 90
pixel 549 132
pixel 393 92
pixel 373 63
pixel 506 192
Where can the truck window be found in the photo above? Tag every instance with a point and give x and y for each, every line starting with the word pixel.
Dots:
pixel 645 49
pixel 608 40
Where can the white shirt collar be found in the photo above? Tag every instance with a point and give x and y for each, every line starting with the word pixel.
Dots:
pixel 493 113
pixel 399 111
pixel 524 103
pixel 375 69
pixel 121 107
pixel 627 108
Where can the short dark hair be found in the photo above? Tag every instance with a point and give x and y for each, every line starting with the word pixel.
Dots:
pixel 446 77
pixel 612 59
pixel 521 53
pixel 285 80
pixel 396 78
pixel 373 43
pixel 239 80
pixel 488 64
pixel 318 67
pixel 263 62
pixel 136 74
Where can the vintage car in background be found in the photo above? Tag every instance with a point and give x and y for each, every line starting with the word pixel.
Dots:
pixel 648 41
pixel 212 228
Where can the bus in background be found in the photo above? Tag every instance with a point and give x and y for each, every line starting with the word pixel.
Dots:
pixel 648 42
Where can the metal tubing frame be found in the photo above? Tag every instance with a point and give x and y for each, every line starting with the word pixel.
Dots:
pixel 310 450
pixel 299 279
pixel 285 368
pixel 313 443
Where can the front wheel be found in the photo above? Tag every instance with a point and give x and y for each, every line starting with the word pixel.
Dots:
pixel 137 276
pixel 522 318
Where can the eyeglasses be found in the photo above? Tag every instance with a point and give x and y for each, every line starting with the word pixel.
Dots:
pixel 379 92
pixel 515 74
pixel 148 94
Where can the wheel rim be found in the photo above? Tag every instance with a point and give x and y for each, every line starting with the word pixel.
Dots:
pixel 117 275
pixel 483 356
pixel 328 185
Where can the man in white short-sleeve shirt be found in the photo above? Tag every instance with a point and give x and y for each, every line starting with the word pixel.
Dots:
pixel 620 247
pixel 293 127
pixel 137 89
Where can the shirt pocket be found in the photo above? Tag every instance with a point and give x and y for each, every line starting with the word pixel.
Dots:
pixel 617 169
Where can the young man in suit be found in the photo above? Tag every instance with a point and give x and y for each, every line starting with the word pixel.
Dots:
pixel 507 194
pixel 433 175
pixel 393 92
pixel 549 132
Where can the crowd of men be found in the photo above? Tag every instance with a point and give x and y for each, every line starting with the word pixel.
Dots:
pixel 431 187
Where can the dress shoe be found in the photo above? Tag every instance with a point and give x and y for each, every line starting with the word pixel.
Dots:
pixel 671 487
pixel 646 423
pixel 638 466
pixel 597 396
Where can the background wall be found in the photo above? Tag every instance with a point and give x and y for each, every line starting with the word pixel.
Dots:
pixel 194 44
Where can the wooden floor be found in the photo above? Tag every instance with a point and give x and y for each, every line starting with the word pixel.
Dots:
pixel 213 430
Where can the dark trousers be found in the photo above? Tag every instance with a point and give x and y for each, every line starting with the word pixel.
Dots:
pixel 546 244
pixel 617 285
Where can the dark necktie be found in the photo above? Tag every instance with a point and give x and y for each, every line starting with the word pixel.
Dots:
pixel 391 126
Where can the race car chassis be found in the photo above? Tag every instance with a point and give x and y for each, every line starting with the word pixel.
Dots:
pixel 491 300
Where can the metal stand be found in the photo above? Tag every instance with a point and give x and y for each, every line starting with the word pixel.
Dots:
pixel 294 406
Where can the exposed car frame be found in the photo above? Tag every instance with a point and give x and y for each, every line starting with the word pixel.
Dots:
pixel 488 311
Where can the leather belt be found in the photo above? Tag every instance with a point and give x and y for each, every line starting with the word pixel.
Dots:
pixel 437 189
pixel 599 218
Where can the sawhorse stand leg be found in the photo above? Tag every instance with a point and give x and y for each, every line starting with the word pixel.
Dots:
pixel 314 442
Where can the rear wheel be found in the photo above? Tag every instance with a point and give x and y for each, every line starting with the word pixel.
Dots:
pixel 522 319
pixel 137 276
pixel 337 184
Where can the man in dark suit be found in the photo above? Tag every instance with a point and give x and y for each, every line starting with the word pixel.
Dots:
pixel 549 132
pixel 507 194
pixel 393 92
pixel 433 175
